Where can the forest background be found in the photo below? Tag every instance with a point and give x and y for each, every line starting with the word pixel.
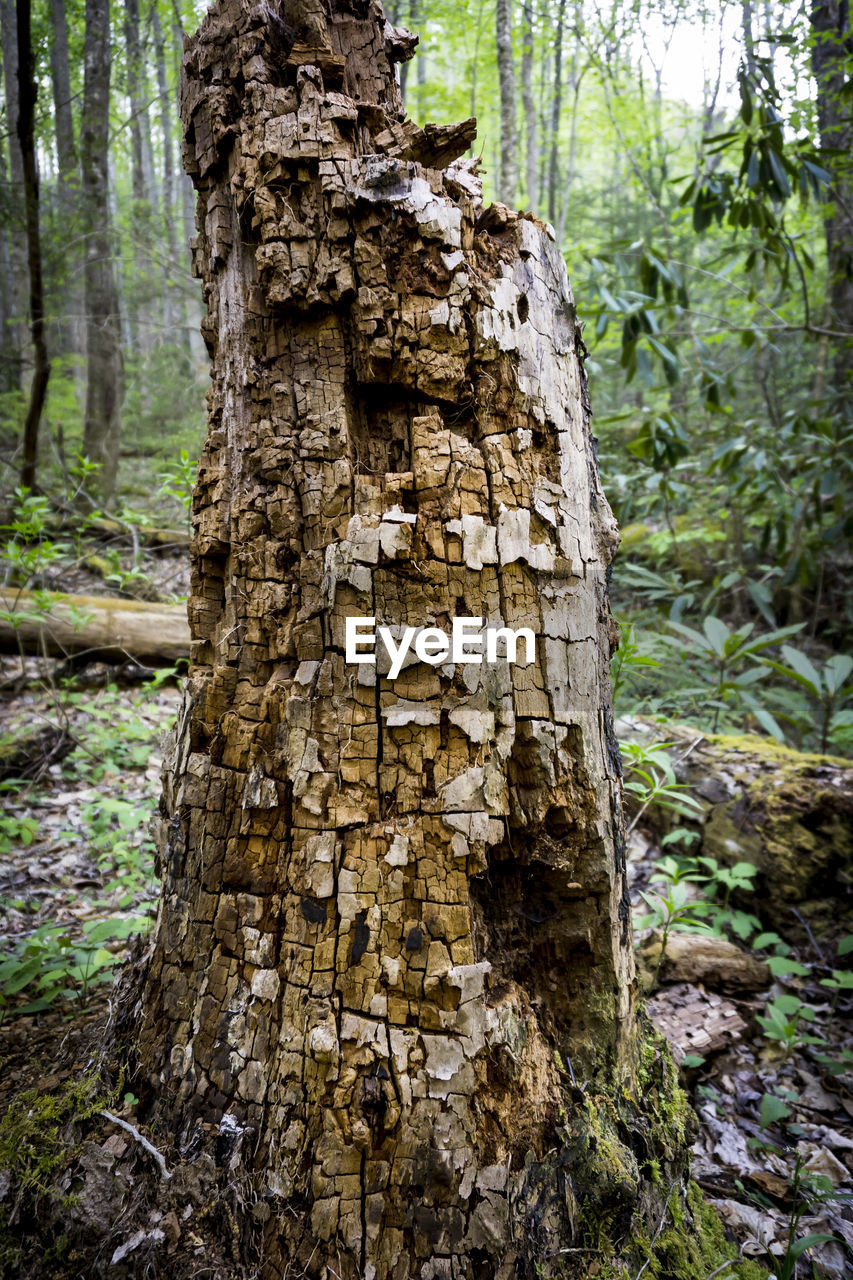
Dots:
pixel 694 161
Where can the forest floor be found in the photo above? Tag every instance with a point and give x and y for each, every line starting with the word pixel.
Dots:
pixel 774 1143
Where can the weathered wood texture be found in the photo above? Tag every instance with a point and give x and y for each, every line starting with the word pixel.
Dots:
pixel 392 912
pixel 100 626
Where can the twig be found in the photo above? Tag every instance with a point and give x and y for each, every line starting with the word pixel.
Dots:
pixel 730 1262
pixel 657 1234
pixel 140 1138
pixel 817 949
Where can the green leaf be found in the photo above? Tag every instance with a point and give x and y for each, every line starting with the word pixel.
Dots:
pixel 692 1060
pixel 780 177
pixel 785 1004
pixel 766 940
pixel 836 671
pixel 767 722
pixel 717 633
pixel 779 966
pixel 689 633
pixel 772 1110
pixel 771 638
pixel 800 664
pixel 24 975
pixel 845 946
pixel 798 1248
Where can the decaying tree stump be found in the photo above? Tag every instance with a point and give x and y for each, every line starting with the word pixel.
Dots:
pixel 393 958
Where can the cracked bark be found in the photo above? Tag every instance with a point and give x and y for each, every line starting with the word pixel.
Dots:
pixel 394 917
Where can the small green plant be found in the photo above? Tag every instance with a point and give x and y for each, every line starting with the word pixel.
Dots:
pixel 179 481
pixel 668 912
pixel 15 830
pixel 781 1022
pixel 717 881
pixel 630 657
pixel 50 963
pixel 828 689
pixel 808 1190
pixel 730 657
pixel 650 777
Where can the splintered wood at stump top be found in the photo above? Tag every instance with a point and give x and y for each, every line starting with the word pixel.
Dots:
pixel 391 910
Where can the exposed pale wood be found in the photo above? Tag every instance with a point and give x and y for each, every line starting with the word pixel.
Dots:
pixel 695 1021
pixel 713 962
pixel 112 629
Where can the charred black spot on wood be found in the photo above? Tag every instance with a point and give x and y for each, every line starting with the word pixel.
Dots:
pixel 361 937
pixel 313 911
pixel 374 1104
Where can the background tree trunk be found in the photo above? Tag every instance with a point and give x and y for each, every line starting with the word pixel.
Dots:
pixel 71 333
pixel 830 59
pixel 16 299
pixel 531 149
pixel 556 107
pixel 104 385
pixel 506 81
pixel 173 312
pixel 393 946
pixel 141 312
pixel 27 95
pixel 8 356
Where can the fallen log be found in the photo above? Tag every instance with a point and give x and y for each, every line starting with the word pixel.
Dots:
pixel 99 626
pixel 787 812
pixel 106 528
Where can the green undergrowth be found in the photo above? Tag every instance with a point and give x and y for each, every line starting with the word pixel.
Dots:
pixel 39 1137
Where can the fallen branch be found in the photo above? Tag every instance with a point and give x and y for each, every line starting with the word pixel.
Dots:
pixel 99 626
pixel 140 1138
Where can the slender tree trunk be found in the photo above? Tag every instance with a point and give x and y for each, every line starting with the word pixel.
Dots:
pixel 187 212
pixel 506 80
pixel 27 96
pixel 556 108
pixel 830 58
pixel 144 181
pixel 142 174
pixel 71 329
pixel 392 970
pixel 66 146
pixel 173 313
pixel 8 359
pixel 17 290
pixel 577 79
pixel 531 149
pixel 748 35
pixel 105 378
